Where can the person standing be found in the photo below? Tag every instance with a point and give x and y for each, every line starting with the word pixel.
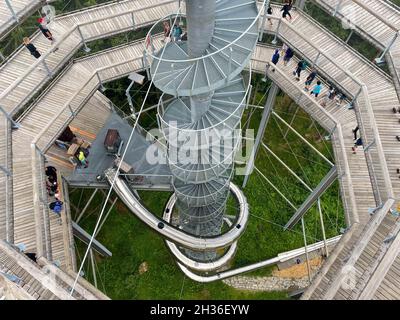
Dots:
pixel 275 58
pixel 176 32
pixel 82 159
pixel 167 30
pixel 32 49
pixel 317 89
pixel 301 65
pixel 288 55
pixel 310 79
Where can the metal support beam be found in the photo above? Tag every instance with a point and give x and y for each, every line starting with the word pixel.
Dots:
pixel 273 91
pixel 85 47
pixel 349 36
pixel 14 124
pixel 106 216
pixel 306 250
pixel 10 7
pixel 314 196
pixel 263 21
pixel 86 206
pixel 381 58
pixel 321 219
pixel 93 267
pixel 85 237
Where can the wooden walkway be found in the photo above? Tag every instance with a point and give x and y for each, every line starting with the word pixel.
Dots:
pixel 362 247
pixel 18 11
pixel 45 120
pixel 378 21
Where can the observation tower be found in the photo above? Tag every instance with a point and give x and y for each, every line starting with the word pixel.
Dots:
pixel 202 122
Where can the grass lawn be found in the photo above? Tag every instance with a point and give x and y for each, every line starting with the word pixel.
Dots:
pixel 132 243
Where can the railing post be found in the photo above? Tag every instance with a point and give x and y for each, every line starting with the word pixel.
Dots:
pixel 315 62
pixel 102 88
pixel 337 7
pixel 2 57
pixel 369 145
pixel 229 64
pixel 85 47
pixel 12 10
pixel 133 20
pixel 275 40
pixel 381 58
pixel 14 124
pixel 145 66
pixel 263 20
pixel 72 111
pixel 49 73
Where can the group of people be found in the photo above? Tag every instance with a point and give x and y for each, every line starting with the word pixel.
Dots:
pixel 177 33
pixel 332 94
pixel 43 27
pixel 53 189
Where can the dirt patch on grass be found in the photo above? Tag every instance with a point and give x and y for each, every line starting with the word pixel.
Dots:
pixel 298 270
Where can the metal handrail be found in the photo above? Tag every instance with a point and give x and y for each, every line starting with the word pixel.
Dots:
pixel 95 74
pixel 149 36
pixel 363 90
pixel 61 40
pixel 372 12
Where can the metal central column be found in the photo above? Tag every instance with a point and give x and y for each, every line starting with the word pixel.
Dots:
pixel 200 25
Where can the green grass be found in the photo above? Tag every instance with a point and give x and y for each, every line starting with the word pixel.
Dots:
pixel 132 242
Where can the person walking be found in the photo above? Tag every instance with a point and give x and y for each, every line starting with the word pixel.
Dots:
pixel 32 49
pixel 317 89
pixel 82 159
pixel 355 130
pixel 167 30
pixel 286 11
pixel 356 145
pixel 301 65
pixel 45 30
pixel 310 79
pixel 288 55
pixel 275 58
pixel 269 11
pixel 176 32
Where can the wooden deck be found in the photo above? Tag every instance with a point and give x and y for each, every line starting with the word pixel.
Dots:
pixel 20 10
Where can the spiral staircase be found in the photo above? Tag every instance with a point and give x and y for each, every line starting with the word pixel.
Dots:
pixel 210 97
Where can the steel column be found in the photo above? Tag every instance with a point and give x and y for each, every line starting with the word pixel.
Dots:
pixel 273 91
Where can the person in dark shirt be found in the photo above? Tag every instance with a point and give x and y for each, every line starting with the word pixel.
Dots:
pixel 32 49
pixel 269 11
pixel 286 11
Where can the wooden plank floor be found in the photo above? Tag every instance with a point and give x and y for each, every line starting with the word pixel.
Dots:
pixel 21 8
pixel 43 112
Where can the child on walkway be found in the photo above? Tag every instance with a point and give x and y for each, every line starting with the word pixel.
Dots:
pixel 82 159
pixel 317 89
pixel 45 30
pixel 286 11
